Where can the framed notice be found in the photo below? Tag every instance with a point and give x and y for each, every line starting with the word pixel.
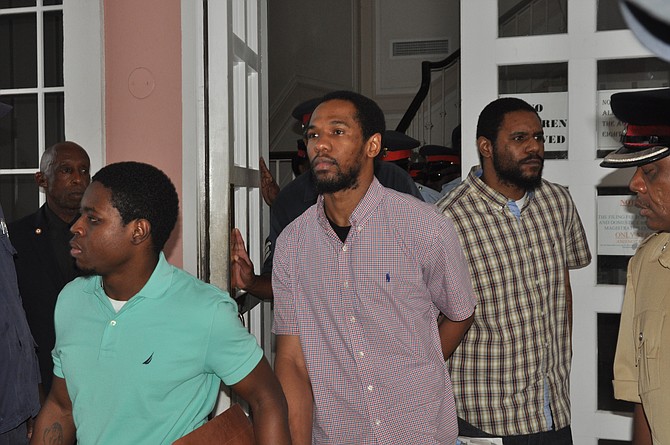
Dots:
pixel 620 226
pixel 608 126
pixel 553 111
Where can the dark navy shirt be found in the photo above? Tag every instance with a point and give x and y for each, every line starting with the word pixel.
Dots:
pixel 19 372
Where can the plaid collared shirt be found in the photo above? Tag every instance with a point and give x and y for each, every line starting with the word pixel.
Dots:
pixel 366 313
pixel 520 338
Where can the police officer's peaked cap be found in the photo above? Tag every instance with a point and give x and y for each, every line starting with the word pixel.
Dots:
pixel 304 110
pixel 646 137
pixel 302 148
pixel 440 154
pixel 397 145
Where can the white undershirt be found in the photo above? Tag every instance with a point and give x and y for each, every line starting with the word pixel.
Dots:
pixel 116 304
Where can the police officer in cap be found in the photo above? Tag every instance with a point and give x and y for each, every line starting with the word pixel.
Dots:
pixel 398 148
pixel 299 161
pixel 642 361
pixel 443 169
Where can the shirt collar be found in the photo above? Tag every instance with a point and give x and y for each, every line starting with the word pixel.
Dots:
pixel 157 285
pixel 489 193
pixel 363 209
pixel 54 220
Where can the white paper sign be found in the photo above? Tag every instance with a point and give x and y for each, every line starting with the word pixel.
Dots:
pixel 553 111
pixel 608 126
pixel 620 226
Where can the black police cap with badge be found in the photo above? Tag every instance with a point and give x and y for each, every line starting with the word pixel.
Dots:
pixel 646 137
pixel 304 110
pixel 441 161
pixel 398 146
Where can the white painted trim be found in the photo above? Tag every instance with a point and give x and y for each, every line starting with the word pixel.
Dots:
pixel 192 90
pixel 83 77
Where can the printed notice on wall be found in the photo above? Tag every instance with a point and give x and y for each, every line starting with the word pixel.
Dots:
pixel 620 226
pixel 609 127
pixel 553 111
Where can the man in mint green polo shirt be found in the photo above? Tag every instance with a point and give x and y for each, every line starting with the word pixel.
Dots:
pixel 142 346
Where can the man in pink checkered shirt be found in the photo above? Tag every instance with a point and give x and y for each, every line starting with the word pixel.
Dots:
pixel 360 280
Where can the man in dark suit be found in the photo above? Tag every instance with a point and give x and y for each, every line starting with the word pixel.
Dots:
pixel 43 262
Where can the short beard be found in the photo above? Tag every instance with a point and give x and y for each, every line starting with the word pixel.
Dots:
pixel 342 181
pixel 512 174
pixel 87 272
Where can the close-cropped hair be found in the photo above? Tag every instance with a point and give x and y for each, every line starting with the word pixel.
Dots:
pixel 47 160
pixel 491 117
pixel 368 114
pixel 142 191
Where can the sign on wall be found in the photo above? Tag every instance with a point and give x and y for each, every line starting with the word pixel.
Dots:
pixel 608 126
pixel 553 111
pixel 620 226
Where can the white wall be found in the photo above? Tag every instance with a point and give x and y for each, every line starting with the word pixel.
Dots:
pixel 319 48
pixel 312 49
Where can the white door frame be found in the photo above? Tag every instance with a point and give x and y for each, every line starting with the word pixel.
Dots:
pixel 481 54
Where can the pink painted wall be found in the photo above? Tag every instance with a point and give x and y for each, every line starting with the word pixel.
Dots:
pixel 143 90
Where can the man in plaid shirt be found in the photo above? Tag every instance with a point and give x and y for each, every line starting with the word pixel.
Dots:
pixel 521 235
pixel 359 281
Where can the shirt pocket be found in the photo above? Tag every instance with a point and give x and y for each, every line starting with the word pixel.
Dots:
pixel 648 332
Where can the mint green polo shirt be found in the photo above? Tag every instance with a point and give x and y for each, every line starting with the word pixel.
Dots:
pixel 150 373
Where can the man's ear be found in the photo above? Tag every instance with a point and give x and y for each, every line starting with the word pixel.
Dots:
pixel 374 145
pixel 41 180
pixel 141 231
pixel 485 147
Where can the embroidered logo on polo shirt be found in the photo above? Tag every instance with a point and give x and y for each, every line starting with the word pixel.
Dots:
pixel 147 361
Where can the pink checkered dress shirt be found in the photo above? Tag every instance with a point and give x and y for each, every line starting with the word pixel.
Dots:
pixel 366 312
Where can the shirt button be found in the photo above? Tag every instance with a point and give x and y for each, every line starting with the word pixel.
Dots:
pixel 344 248
pixel 378 422
pixel 361 354
pixel 370 387
pixel 346 284
pixel 359 228
pixel 112 323
pixel 352 319
pixel 641 336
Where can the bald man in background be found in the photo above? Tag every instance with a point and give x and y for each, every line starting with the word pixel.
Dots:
pixel 43 262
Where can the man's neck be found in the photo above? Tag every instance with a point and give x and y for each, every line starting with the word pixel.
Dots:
pixel 126 282
pixel 66 215
pixel 340 205
pixel 510 191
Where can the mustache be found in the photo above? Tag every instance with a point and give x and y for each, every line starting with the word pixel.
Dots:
pixel 533 157
pixel 318 159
